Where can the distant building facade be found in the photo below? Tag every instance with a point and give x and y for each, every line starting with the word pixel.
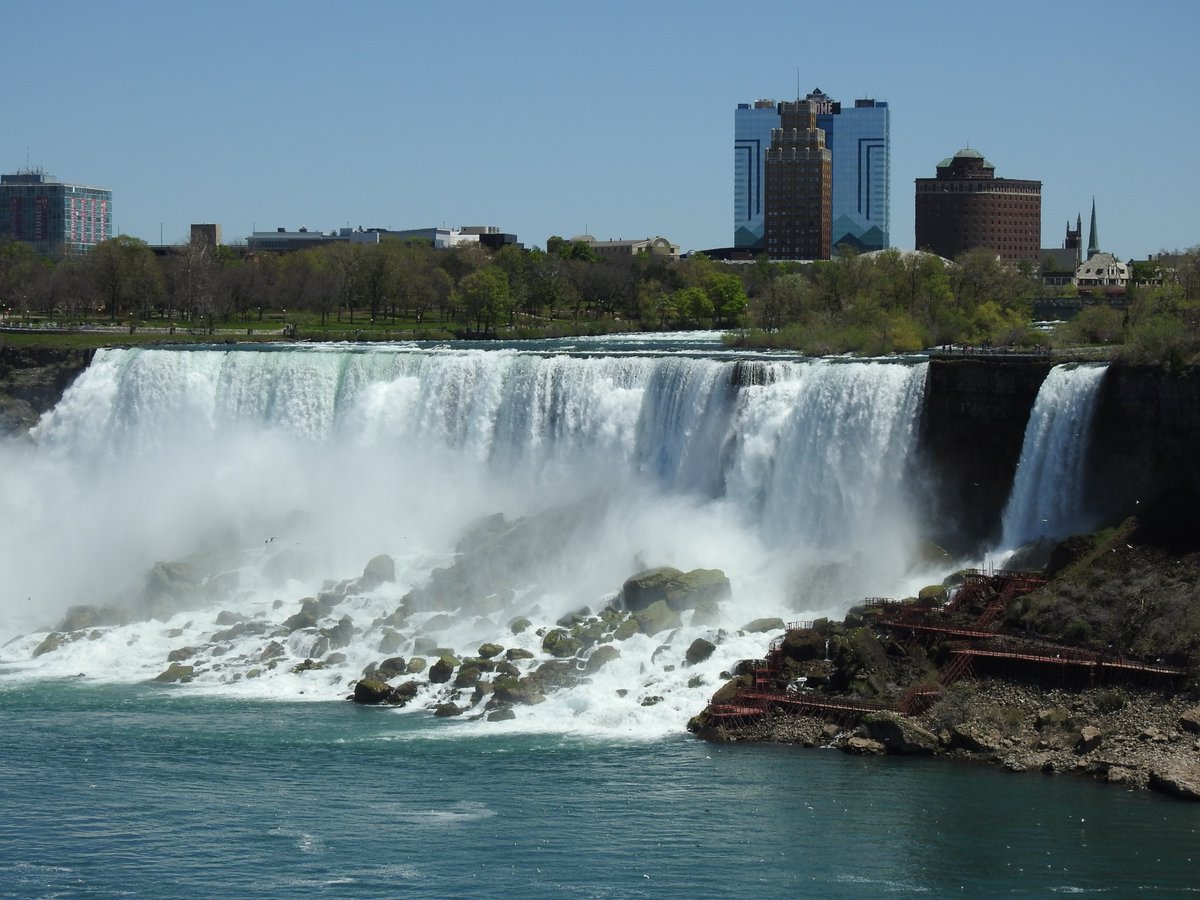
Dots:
pixel 967 207
pixel 799 186
pixel 283 241
pixel 54 217
pixel 859 141
pixel 654 246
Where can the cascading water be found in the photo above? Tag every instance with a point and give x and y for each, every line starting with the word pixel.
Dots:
pixel 276 471
pixel 1047 499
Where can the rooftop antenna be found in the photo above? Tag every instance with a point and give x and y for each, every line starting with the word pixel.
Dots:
pixel 797 84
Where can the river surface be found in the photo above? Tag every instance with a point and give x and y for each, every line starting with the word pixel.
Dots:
pixel 152 792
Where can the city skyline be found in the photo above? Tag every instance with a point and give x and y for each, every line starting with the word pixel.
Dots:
pixel 543 120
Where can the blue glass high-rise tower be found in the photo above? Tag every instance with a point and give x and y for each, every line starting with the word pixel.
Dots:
pixel 859 139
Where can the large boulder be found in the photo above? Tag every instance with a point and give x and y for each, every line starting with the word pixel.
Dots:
pixel 679 590
pixel 560 643
pixel 440 671
pixel 380 570
pixel 310 612
pixel 699 651
pixel 600 657
pixel 1181 780
pixel 52 642
pixel 898 733
pixel 761 626
pixel 176 672
pixel 803 645
pixel 656 618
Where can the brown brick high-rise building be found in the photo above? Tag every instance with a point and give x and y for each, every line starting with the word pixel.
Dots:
pixel 967 206
pixel 798 187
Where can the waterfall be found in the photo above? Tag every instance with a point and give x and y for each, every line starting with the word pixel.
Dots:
pixel 1047 498
pixel 279 471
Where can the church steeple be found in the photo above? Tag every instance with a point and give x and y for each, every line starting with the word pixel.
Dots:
pixel 1093 237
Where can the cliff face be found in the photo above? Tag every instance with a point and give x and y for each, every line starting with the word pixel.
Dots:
pixel 1145 451
pixel 32 379
pixel 972 427
pixel 1143 457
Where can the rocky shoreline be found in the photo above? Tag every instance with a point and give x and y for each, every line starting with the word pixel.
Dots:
pixel 1134 738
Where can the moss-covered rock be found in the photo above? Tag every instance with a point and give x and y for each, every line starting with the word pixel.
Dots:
pixel 488 650
pixel 49 644
pixel 440 671
pixel 560 643
pixel 600 657
pixel 627 629
pixel 391 667
pixel 656 618
pixel 679 590
pixel 761 626
pixel 515 653
pixel 176 672
pixel 519 625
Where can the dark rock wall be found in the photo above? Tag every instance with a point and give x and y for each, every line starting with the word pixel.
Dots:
pixel 1144 455
pixel 972 427
pixel 1145 451
pixel 32 379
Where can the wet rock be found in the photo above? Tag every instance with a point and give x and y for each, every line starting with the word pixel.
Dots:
pixel 373 692
pixel 176 672
pixel 627 629
pixel 656 618
pixel 182 653
pixel 515 653
pixel 600 657
pixel 898 733
pixel 440 671
pixel 653 700
pixel 341 634
pixel 503 714
pixel 391 667
pixel 761 626
pixel 310 613
pixel 391 641
pixel 488 650
pixel 49 644
pixel 559 643
pixel 803 645
pixel 446 710
pixel 863 746
pixel 699 651
pixel 519 625
pixel 336 659
pixel 416 665
pixel 380 570
pixel 467 677
pixel 679 590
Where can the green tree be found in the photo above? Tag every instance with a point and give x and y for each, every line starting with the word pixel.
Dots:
pixel 125 274
pixel 483 296
pixel 727 295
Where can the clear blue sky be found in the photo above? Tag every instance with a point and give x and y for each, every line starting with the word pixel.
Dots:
pixel 614 117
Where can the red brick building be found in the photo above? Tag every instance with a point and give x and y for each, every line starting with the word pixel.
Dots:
pixel 966 206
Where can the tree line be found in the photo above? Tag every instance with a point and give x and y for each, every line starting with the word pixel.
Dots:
pixel 869 304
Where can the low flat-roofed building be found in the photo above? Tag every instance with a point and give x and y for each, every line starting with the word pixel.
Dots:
pixel 655 246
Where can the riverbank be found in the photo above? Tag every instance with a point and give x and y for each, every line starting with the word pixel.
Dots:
pixel 1134 738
